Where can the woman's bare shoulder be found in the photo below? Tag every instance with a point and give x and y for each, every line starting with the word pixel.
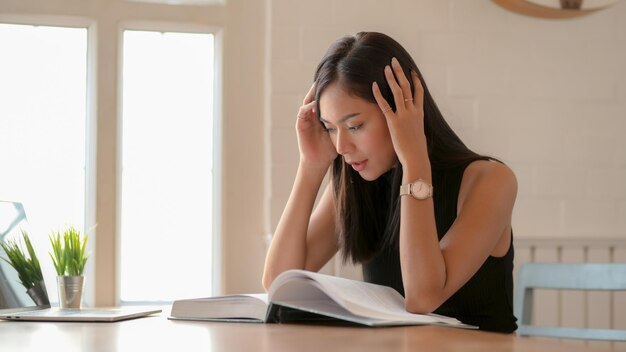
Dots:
pixel 488 176
pixel 489 170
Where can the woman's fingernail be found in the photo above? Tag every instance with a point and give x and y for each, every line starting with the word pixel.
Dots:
pixel 387 68
pixel 394 60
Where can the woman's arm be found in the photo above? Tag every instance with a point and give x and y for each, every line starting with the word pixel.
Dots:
pixel 305 239
pixel 433 270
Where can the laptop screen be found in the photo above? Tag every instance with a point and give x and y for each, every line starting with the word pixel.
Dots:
pixel 13 295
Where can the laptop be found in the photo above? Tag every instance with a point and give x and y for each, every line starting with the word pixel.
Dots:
pixel 17 305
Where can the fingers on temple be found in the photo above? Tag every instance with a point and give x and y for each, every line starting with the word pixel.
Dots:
pixel 310 95
pixel 306 110
pixel 418 96
pixel 395 88
pixel 382 103
pixel 403 81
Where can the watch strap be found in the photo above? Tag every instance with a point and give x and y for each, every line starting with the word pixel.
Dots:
pixel 407 189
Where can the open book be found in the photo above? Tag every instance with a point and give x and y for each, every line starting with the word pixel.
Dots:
pixel 298 295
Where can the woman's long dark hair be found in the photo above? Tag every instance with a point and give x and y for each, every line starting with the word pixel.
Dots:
pixel 369 211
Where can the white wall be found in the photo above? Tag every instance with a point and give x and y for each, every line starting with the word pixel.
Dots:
pixel 548 97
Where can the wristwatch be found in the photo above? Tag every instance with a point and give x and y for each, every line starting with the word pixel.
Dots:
pixel 419 189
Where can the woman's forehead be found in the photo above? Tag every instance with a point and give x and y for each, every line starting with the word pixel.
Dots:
pixel 338 106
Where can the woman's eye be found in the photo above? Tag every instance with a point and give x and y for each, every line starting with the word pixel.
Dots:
pixel 329 129
pixel 354 128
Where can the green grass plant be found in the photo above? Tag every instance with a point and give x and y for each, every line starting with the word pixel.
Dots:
pixel 25 263
pixel 68 252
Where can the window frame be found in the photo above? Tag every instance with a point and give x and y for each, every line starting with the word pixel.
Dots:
pixel 103 141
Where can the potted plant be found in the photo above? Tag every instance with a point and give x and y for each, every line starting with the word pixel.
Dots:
pixel 69 259
pixel 27 267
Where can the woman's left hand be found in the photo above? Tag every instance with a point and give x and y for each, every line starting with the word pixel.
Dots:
pixel 406 124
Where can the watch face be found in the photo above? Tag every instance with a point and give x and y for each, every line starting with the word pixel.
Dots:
pixel 421 189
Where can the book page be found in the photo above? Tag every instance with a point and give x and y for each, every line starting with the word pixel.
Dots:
pixel 229 307
pixel 359 298
pixel 303 294
pixel 260 296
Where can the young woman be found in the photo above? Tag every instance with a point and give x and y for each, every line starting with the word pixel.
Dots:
pixel 407 200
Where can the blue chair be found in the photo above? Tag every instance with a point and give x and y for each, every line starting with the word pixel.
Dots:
pixel 559 276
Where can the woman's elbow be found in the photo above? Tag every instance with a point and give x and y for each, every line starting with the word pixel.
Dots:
pixel 265 285
pixel 270 272
pixel 266 281
pixel 422 305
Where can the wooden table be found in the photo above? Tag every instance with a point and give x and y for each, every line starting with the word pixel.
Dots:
pixel 156 333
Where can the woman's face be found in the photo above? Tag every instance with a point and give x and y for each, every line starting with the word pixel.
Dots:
pixel 359 132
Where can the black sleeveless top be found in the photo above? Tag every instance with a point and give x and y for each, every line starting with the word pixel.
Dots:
pixel 486 300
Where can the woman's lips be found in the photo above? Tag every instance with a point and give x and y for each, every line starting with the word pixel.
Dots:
pixel 358 167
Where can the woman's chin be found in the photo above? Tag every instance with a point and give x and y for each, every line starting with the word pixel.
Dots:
pixel 369 176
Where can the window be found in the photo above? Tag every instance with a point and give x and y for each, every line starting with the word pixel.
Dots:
pixel 167 160
pixel 42 129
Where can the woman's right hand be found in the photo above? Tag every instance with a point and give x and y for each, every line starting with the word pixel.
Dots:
pixel 316 148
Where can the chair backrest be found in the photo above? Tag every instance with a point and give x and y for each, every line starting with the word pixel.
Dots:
pixel 562 276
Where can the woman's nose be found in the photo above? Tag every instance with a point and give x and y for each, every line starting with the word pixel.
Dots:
pixel 343 143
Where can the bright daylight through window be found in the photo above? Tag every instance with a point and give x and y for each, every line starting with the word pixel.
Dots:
pixel 167 165
pixel 42 129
